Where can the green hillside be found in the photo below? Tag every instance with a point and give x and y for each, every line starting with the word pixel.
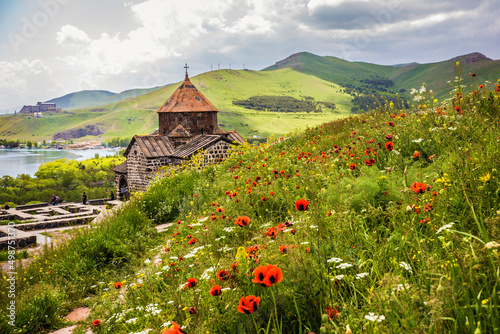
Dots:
pixel 137 115
pixel 79 99
pixel 121 96
pixel 435 75
pixel 350 86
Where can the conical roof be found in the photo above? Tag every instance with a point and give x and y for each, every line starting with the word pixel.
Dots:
pixel 187 98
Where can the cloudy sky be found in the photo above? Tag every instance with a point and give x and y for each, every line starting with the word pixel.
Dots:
pixel 49 48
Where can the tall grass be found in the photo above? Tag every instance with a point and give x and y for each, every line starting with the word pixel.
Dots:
pixel 407 243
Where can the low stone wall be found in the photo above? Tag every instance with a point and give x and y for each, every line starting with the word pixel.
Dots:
pixel 54 224
pixel 20 242
pixel 31 206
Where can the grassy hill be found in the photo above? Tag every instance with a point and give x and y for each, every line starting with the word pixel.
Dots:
pixel 121 96
pixel 435 75
pixel 386 222
pixel 327 79
pixel 79 99
pixel 88 98
pixel 137 115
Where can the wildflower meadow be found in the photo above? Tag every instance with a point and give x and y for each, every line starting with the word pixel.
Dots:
pixel 383 222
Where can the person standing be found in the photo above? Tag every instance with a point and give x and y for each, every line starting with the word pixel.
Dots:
pixel 112 196
pixel 84 198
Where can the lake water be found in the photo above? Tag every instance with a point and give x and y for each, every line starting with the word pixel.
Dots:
pixel 26 161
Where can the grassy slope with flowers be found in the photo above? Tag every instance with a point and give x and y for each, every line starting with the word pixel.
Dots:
pixel 400 235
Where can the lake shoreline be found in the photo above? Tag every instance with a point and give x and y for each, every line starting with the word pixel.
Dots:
pixel 16 161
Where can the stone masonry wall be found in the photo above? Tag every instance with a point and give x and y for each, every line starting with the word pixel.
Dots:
pixel 136 169
pixel 195 122
pixel 216 153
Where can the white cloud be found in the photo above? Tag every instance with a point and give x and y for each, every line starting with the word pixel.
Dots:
pixel 15 76
pixel 25 82
pixel 71 35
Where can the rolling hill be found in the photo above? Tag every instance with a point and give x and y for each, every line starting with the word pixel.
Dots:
pixel 137 115
pixel 324 78
pixel 88 98
pixel 79 99
pixel 404 76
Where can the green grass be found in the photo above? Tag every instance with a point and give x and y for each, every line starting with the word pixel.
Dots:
pixel 370 252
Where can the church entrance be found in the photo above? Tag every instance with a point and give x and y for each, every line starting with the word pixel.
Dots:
pixel 123 191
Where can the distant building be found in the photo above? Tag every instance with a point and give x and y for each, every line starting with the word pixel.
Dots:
pixel 187 125
pixel 40 107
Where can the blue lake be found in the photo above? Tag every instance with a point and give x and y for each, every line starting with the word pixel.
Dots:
pixel 26 161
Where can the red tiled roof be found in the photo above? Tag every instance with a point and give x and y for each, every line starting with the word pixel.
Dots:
pixel 187 98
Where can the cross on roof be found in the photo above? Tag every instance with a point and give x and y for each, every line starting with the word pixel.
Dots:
pixel 186 67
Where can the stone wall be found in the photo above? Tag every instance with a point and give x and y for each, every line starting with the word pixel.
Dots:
pixel 195 122
pixel 136 169
pixel 216 152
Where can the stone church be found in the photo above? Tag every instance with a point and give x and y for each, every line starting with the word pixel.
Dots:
pixel 187 125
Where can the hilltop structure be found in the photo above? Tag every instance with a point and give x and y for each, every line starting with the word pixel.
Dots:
pixel 40 108
pixel 187 125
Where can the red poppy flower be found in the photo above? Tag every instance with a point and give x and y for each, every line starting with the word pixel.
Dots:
pixel 352 166
pixel 242 221
pixel 192 241
pixel 174 330
pixel 192 310
pixel 167 249
pixel 369 162
pixel 284 249
pixel 481 86
pixel 267 275
pixel 248 304
pixel 228 192
pixel 219 209
pixel 175 234
pixel 307 249
pixel 331 312
pixel 419 187
pixel 191 283
pixel 264 199
pixel 96 322
pixel 389 146
pixel 271 232
pixel 416 155
pixel 189 236
pixel 215 291
pixel 223 275
pixel 118 285
pixel 234 266
pixel 301 204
